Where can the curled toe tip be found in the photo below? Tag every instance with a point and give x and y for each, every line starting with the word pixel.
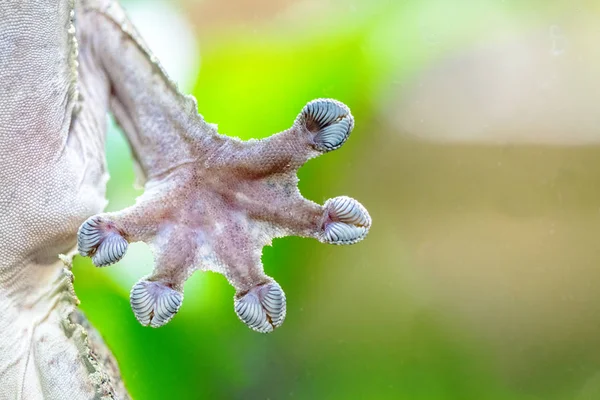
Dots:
pixel 330 121
pixel 263 308
pixel 111 250
pixel 341 233
pixel 346 221
pixel 153 303
pixel 88 236
pixel 96 238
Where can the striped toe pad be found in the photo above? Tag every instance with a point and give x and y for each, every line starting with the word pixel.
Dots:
pixel 153 303
pixel 101 240
pixel 346 221
pixel 330 121
pixel 262 308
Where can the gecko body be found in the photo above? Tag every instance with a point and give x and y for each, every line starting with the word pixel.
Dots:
pixel 211 202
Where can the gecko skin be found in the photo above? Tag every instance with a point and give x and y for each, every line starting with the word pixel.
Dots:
pixel 210 203
pixel 53 102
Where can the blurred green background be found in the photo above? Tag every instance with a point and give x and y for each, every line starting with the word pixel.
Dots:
pixel 476 151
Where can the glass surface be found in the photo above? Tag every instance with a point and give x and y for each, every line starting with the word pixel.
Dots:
pixel 476 151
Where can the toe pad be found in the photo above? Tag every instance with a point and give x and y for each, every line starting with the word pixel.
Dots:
pixel 330 121
pixel 99 239
pixel 154 304
pixel 346 221
pixel 262 308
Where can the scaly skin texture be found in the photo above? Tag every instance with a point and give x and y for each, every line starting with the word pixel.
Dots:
pixel 52 177
pixel 210 203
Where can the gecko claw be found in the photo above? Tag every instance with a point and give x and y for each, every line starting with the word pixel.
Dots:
pixel 330 121
pixel 101 240
pixel 346 221
pixel 153 303
pixel 262 308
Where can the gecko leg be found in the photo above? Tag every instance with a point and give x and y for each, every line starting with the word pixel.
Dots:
pixel 211 202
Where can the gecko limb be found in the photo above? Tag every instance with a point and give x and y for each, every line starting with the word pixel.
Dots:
pixel 211 202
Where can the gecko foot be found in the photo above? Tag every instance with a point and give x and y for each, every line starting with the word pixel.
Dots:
pixel 262 308
pixel 153 303
pixel 346 221
pixel 100 239
pixel 329 121
pixel 217 213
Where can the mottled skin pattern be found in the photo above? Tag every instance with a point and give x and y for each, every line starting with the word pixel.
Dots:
pixel 210 202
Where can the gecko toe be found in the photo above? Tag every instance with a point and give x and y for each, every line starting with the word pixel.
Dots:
pixel 153 303
pixel 346 221
pixel 262 308
pixel 329 121
pixel 98 237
